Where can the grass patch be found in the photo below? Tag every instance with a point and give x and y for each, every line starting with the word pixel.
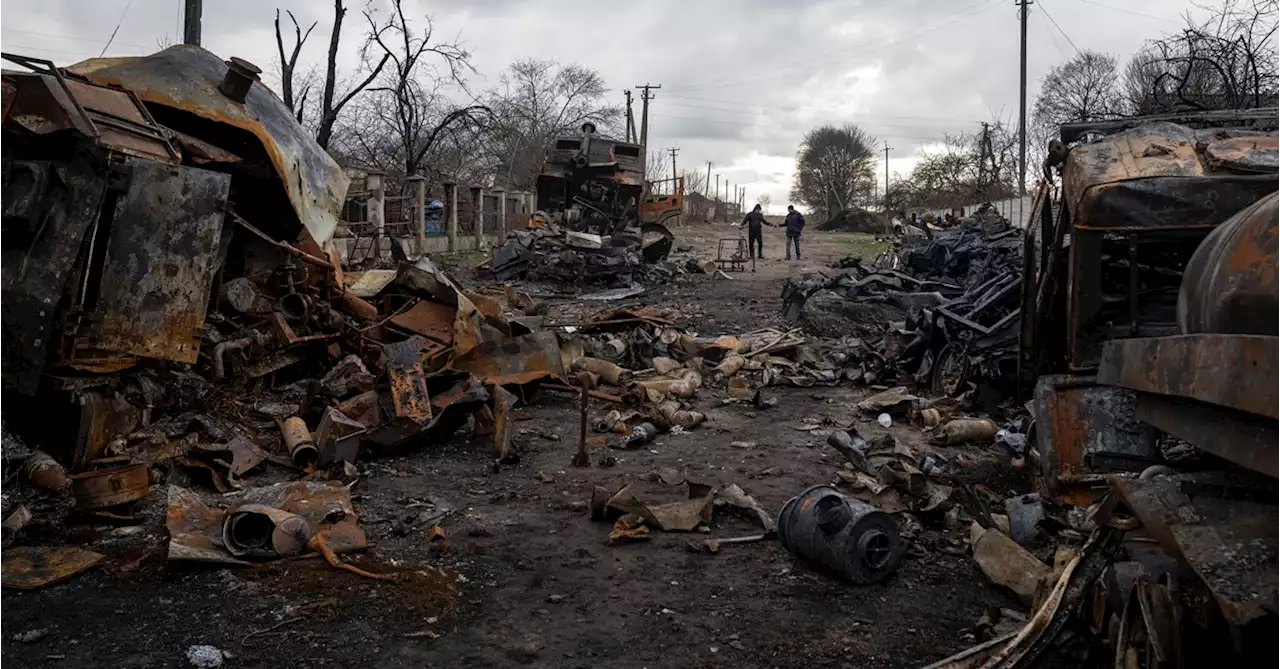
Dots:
pixel 858 243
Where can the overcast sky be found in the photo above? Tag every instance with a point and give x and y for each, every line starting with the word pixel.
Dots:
pixel 742 80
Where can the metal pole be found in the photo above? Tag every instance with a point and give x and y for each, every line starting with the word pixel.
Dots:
pixel 886 177
pixel 674 173
pixel 191 15
pixel 715 206
pixel 631 120
pixel 1022 102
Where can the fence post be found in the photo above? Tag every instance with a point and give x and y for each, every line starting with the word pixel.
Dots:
pixel 477 213
pixel 417 212
pixel 451 197
pixel 501 194
pixel 376 183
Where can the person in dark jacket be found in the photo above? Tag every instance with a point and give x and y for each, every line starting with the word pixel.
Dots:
pixel 755 231
pixel 795 224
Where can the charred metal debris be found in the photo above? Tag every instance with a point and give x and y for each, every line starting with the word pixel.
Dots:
pixel 941 312
pixel 588 226
pixel 174 313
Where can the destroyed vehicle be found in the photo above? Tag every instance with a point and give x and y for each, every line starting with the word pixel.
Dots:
pixel 1138 198
pixel 587 224
pixel 1152 324
pixel 139 193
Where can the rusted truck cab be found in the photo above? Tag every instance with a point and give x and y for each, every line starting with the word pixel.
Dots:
pixel 1136 202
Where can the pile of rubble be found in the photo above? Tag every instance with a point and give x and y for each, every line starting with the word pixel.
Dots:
pixel 941 312
pixel 546 251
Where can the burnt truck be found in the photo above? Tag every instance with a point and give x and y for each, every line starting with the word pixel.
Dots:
pixel 1149 336
pixel 591 217
pixel 161 213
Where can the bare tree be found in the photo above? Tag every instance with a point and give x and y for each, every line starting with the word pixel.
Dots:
pixel 537 101
pixel 1228 61
pixel 331 103
pixel 835 168
pixel 764 201
pixel 695 181
pixel 969 168
pixel 1082 89
pixel 289 64
pixel 409 115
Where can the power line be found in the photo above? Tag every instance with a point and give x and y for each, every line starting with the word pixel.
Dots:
pixel 69 38
pixel 734 106
pixel 963 13
pixel 1129 11
pixel 1055 25
pixel 785 127
pixel 947 124
pixel 115 30
pixel 1053 38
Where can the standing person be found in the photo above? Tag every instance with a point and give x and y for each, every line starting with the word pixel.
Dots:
pixel 755 231
pixel 795 224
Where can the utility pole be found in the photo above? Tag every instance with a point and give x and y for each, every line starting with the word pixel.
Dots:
pixel 886 177
pixel 645 97
pixel 1022 101
pixel 984 154
pixel 631 119
pixel 674 174
pixel 191 13
pixel 716 206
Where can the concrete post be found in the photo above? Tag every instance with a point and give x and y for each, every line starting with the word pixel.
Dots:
pixel 377 185
pixel 530 202
pixel 418 211
pixel 451 201
pixel 501 194
pixel 477 214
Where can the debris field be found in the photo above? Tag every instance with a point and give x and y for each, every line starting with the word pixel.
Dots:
pixel 612 442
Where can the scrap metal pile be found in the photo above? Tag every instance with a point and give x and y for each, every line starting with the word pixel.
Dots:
pixel 546 251
pixel 175 319
pixel 587 227
pixel 941 311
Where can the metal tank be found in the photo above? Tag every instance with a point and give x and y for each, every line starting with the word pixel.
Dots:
pixel 1229 287
pixel 853 540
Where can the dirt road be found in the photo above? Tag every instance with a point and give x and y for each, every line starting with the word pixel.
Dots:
pixel 536 585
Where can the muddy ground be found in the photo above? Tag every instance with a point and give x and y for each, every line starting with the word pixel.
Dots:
pixel 528 580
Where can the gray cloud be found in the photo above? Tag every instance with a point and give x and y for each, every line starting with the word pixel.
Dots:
pixel 742 80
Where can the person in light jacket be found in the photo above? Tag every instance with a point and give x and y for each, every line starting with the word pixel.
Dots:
pixel 795 224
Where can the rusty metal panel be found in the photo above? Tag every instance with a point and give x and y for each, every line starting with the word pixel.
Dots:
pixel 1256 153
pixel 502 403
pixel 1235 371
pixel 1124 157
pixel 516 360
pixel 106 100
pixel 1230 544
pixel 160 263
pixel 1084 428
pixel 409 397
pixel 35 273
pixel 186 78
pixel 1244 439
pixel 429 319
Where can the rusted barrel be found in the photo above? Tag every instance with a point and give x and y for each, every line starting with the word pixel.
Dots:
pixel 853 540
pixel 1230 285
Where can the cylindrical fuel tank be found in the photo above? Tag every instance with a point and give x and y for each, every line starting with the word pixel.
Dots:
pixel 853 540
pixel 1230 285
